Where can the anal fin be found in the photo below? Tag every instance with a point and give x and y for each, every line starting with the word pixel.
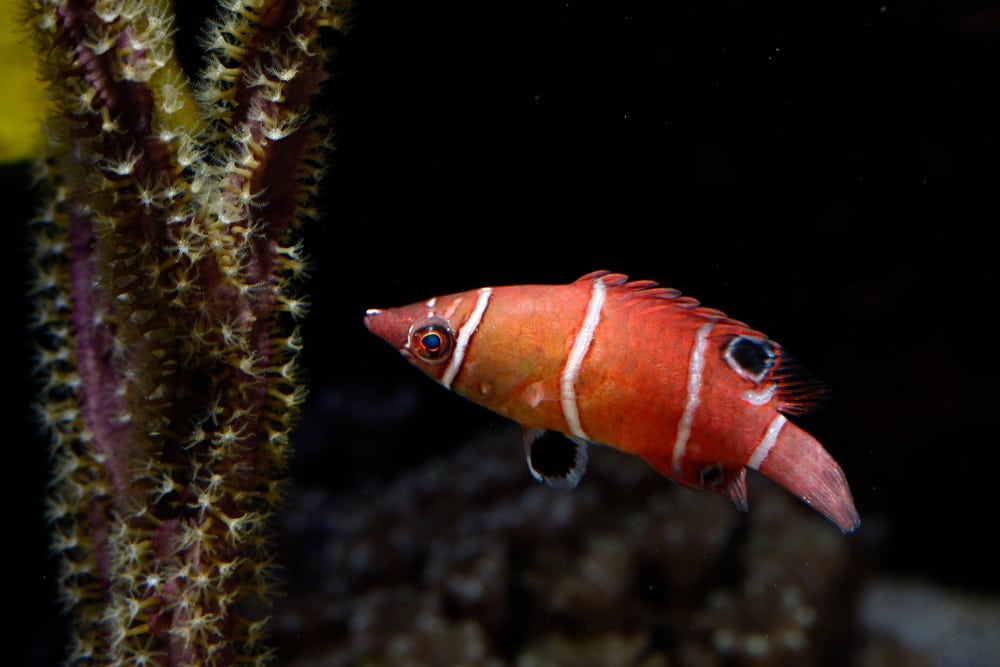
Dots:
pixel 556 459
pixel 737 491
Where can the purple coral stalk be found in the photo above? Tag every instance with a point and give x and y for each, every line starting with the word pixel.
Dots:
pixel 165 264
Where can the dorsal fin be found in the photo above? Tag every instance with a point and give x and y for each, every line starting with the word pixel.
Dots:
pixel 649 293
pixel 799 392
pixel 774 372
pixel 556 459
pixel 609 278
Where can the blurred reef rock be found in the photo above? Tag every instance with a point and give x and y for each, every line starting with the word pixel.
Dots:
pixel 467 561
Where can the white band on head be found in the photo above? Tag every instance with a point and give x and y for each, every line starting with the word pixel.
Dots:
pixel 573 362
pixel 465 335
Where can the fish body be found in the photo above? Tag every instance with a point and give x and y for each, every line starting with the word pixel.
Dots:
pixel 631 365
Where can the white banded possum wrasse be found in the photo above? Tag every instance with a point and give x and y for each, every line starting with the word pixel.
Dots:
pixel 631 365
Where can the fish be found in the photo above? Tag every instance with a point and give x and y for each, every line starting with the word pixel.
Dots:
pixel 630 365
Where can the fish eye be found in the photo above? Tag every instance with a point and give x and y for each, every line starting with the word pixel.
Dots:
pixel 431 340
pixel 711 476
pixel 751 358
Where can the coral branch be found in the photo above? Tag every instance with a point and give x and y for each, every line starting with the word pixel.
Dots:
pixel 166 315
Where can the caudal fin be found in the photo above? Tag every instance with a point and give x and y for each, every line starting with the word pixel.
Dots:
pixel 800 464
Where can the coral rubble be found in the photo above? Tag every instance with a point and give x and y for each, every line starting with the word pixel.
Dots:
pixel 467 561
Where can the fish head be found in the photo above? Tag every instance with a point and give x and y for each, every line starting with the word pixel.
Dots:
pixel 426 340
pixel 411 331
pixel 425 333
pixel 491 359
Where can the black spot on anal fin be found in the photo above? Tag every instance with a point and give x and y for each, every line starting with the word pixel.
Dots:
pixel 799 392
pixel 554 458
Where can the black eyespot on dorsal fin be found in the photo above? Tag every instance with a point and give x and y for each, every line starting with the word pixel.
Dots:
pixel 751 357
pixel 799 392
pixel 760 360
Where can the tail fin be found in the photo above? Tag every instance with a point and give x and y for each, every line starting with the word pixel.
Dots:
pixel 800 464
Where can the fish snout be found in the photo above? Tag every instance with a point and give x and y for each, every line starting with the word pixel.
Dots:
pixel 388 326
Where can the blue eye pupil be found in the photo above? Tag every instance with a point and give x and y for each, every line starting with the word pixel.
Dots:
pixel 432 341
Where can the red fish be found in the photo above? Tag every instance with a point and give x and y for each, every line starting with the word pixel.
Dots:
pixel 632 365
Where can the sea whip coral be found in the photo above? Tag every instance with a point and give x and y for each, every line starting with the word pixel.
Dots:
pixel 165 263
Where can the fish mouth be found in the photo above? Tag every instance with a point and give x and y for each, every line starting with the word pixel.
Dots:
pixel 372 321
pixel 370 315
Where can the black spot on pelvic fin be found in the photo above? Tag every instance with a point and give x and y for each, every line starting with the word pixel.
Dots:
pixel 554 458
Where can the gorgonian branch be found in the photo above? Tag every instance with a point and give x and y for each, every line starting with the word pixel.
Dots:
pixel 166 314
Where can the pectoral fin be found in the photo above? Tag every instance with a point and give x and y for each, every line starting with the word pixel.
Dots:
pixel 554 458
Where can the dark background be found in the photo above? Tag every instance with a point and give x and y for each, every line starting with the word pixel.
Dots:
pixel 826 172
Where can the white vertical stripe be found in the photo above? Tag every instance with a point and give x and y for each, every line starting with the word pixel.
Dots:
pixel 696 365
pixel 581 344
pixel 465 335
pixel 767 442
